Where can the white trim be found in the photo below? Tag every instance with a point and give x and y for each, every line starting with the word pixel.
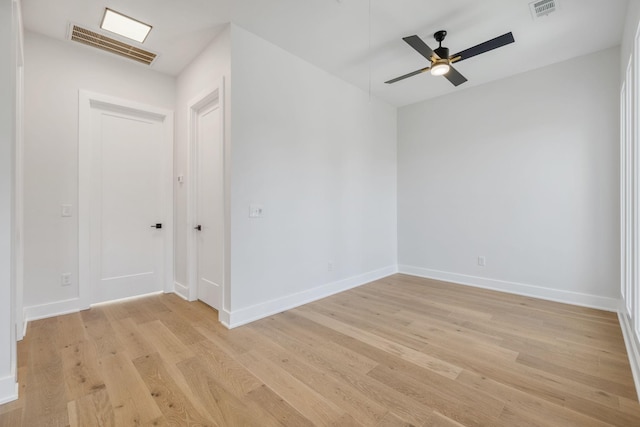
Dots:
pixel 567 297
pixel 18 263
pixel 88 100
pixel 17 256
pixel 629 166
pixel 224 317
pixel 259 311
pixel 58 308
pixel 8 389
pixel 633 212
pixel 624 283
pixel 19 33
pixel 181 290
pixel 202 100
pixel 19 207
pixel 84 205
pixel 632 345
pixel 630 214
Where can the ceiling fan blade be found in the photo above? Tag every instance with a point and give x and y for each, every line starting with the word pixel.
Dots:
pixel 422 48
pixel 455 77
pixel 499 41
pixel 397 79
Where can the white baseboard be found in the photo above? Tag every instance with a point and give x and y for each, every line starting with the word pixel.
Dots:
pixel 58 308
pixel 8 389
pixel 181 290
pixel 567 297
pixel 24 326
pixel 259 311
pixel 633 348
pixel 224 317
pixel 21 327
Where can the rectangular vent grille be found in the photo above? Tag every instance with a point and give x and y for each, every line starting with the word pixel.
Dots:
pixel 108 44
pixel 543 8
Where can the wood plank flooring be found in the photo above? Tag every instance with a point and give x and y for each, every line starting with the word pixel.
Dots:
pixel 400 351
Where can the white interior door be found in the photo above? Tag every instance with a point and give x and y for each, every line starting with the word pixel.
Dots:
pixel 209 204
pixel 127 177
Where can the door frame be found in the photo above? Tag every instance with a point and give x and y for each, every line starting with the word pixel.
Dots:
pixel 203 100
pixel 21 324
pixel 87 102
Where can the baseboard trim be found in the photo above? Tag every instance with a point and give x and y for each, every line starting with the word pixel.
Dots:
pixel 58 308
pixel 567 297
pixel 181 290
pixel 259 311
pixel 224 317
pixel 8 389
pixel 21 327
pixel 25 322
pixel 633 348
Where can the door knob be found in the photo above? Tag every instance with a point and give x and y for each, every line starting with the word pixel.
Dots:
pixel 198 227
pixel 158 225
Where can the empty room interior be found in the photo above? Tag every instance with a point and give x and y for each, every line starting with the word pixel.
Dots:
pixel 321 212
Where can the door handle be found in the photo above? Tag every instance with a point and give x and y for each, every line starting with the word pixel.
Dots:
pixel 198 227
pixel 158 225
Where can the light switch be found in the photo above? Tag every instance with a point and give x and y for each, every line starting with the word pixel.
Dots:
pixel 65 210
pixel 256 211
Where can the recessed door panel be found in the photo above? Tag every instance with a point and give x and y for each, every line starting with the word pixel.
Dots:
pixel 127 172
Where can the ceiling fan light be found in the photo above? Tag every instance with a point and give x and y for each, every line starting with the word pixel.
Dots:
pixel 440 68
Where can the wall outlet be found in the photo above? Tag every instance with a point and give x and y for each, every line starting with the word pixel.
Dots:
pixel 482 261
pixel 329 266
pixel 65 279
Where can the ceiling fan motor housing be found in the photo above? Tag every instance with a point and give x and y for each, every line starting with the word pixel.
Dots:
pixel 442 52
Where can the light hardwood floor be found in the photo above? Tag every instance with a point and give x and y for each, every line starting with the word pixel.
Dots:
pixel 400 351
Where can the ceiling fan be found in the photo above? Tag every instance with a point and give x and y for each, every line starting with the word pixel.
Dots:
pixel 441 61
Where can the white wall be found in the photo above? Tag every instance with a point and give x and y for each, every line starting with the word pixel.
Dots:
pixel 320 156
pixel 8 33
pixel 523 171
pixel 54 73
pixel 203 74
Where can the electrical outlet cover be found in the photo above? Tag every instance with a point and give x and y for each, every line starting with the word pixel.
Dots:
pixel 65 279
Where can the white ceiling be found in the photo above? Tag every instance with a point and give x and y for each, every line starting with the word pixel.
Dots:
pixel 360 41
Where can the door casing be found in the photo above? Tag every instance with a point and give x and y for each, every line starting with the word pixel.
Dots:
pixel 87 102
pixel 205 98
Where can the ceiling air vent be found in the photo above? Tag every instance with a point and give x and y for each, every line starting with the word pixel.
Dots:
pixel 543 8
pixel 91 38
